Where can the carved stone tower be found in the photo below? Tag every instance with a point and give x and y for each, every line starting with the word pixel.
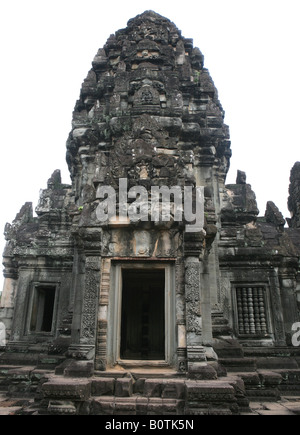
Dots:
pixel 148 112
pixel 132 291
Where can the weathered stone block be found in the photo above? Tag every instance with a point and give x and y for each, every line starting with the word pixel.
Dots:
pixel 229 348
pixel 290 381
pixel 250 379
pixel 172 406
pixel 277 363
pixel 206 410
pixel 153 387
pixel 191 131
pixel 142 405
pixel 69 389
pixel 103 387
pixel 155 406
pixel 240 392
pixel 103 406
pixel 239 364
pixel 20 374
pixel 38 375
pixel 125 406
pixel 269 378
pixel 124 387
pixel 138 387
pixel 173 389
pixel 79 369
pixel 209 392
pixel 56 407
pixel 201 372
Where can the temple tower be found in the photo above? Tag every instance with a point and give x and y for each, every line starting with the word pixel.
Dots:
pixel 148 260
pixel 149 113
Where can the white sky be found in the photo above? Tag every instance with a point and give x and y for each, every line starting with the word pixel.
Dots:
pixel 251 49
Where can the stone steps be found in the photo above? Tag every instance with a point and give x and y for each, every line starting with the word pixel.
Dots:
pixel 31 357
pixel 22 382
pixel 262 385
pixel 120 396
pixel 10 406
pixel 141 393
pixel 270 385
pixel 244 364
pixel 290 384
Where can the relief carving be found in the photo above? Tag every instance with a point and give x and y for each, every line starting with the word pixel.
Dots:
pixel 92 283
pixel 192 297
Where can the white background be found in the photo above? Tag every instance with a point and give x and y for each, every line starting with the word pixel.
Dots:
pixel 251 49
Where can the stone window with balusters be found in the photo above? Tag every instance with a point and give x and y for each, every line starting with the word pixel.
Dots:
pixel 251 310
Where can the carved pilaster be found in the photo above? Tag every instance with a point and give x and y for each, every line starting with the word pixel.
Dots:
pixel 192 298
pixel 101 350
pixel 85 349
pixel 92 278
pixel 181 316
pixel 195 356
pixel 194 249
pixel 277 309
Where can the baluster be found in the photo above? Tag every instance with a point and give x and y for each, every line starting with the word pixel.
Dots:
pixel 262 312
pixel 245 311
pixel 251 311
pixel 240 311
pixel 256 311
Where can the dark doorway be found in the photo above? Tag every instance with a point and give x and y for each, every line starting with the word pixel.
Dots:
pixel 143 315
pixel 42 309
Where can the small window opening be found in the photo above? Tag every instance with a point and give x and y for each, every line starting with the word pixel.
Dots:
pixel 42 309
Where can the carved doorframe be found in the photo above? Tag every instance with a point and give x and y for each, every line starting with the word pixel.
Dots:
pixel 109 314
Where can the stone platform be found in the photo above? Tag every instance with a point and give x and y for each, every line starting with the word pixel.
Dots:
pixel 28 390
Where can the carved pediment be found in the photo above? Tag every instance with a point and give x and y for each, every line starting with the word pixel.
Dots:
pixel 146 96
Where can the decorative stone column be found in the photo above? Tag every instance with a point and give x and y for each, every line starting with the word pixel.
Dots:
pixel 180 315
pixel 86 301
pixel 85 349
pixel 198 368
pixel 276 306
pixel 102 321
pixel 8 297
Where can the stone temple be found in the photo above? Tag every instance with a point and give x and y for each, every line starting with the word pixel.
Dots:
pixel 141 316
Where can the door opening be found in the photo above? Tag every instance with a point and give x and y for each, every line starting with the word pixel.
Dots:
pixel 143 314
pixel 42 308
